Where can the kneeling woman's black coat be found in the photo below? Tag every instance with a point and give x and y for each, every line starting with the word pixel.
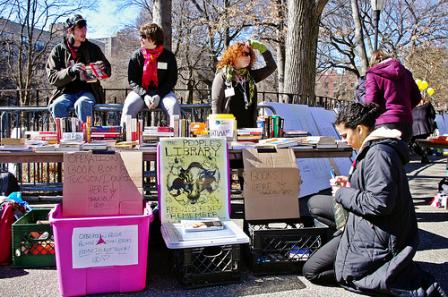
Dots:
pixel 381 237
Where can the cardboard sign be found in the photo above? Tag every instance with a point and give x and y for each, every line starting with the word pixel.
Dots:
pixel 102 184
pixel 193 178
pixel 271 185
pixel 105 246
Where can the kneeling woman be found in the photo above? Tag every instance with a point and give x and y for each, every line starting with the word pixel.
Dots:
pixel 373 254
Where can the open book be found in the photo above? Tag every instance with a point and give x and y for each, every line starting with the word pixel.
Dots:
pixel 206 224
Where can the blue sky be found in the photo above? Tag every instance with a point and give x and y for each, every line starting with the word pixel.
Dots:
pixel 107 20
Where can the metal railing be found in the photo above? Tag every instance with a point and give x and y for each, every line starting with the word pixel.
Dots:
pixel 47 177
pixel 40 97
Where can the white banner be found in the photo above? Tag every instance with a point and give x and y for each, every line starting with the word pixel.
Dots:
pixel 105 246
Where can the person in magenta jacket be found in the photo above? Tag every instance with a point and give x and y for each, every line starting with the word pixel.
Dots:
pixel 390 85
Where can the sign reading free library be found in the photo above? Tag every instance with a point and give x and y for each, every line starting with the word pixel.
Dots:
pixel 193 178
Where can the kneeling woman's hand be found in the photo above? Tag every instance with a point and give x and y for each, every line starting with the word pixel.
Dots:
pixel 338 182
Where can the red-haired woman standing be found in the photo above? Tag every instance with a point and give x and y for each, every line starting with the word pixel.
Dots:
pixel 233 89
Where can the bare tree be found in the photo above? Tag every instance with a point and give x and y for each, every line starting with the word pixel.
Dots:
pixel 301 44
pixel 27 48
pixel 404 26
pixel 162 16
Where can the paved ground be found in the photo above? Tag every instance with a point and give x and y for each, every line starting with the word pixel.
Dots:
pixel 432 255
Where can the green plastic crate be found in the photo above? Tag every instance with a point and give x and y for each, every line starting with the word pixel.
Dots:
pixel 33 243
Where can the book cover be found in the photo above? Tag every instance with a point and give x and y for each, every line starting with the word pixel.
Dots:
pixel 205 224
pixel 193 178
pixel 93 72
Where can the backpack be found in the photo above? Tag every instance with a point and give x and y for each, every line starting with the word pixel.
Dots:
pixel 8 183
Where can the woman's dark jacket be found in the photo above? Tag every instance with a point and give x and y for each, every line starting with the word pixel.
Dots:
pixel 246 118
pixel 167 77
pixel 423 119
pixel 381 237
pixel 58 64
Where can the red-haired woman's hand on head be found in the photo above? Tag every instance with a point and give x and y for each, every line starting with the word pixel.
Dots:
pixel 255 44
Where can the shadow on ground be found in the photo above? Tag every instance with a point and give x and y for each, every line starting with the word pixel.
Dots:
pixel 8 272
pixel 431 241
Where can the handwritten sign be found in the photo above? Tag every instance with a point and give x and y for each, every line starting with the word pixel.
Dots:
pixel 271 185
pixel 102 184
pixel 105 246
pixel 222 128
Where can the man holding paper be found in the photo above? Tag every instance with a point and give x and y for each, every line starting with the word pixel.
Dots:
pixel 66 70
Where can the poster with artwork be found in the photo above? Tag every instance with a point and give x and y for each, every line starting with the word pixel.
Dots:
pixel 193 177
pixel 105 246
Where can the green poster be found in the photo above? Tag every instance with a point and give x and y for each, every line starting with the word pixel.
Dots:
pixel 193 177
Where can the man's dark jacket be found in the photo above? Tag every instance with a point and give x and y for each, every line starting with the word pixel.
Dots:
pixel 381 236
pixel 167 77
pixel 58 64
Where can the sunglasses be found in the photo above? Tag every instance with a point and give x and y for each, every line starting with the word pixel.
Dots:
pixel 245 54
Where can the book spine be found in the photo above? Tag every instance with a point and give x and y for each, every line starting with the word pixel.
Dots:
pixel 57 122
pixel 88 128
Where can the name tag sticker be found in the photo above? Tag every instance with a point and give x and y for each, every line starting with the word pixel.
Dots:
pixel 162 65
pixel 229 92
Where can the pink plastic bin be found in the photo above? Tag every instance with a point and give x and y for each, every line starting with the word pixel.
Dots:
pixel 93 280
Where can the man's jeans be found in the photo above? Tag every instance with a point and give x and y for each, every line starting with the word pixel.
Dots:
pixel 83 103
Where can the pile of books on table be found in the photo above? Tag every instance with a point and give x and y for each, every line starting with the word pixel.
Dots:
pixel 249 134
pixel 152 134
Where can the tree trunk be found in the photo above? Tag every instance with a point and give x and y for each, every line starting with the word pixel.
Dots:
pixel 301 45
pixel 162 16
pixel 359 37
pixel 280 49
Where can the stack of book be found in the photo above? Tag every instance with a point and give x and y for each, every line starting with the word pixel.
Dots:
pixel 249 134
pixel 295 133
pixel 277 143
pixel 318 141
pixel 49 136
pixel 105 133
pixel 13 144
pixel 152 134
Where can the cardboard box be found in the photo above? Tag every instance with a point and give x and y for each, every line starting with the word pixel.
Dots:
pixel 102 184
pixel 271 184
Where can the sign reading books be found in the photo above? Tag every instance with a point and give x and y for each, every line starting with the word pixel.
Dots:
pixel 105 246
pixel 103 184
pixel 193 178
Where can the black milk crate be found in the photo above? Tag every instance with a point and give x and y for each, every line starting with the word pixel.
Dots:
pixel 283 246
pixel 207 266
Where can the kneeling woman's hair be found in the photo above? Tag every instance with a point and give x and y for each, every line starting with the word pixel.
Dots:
pixel 356 114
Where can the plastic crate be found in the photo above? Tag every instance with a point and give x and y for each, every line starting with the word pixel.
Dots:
pixel 283 247
pixel 206 266
pixel 33 242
